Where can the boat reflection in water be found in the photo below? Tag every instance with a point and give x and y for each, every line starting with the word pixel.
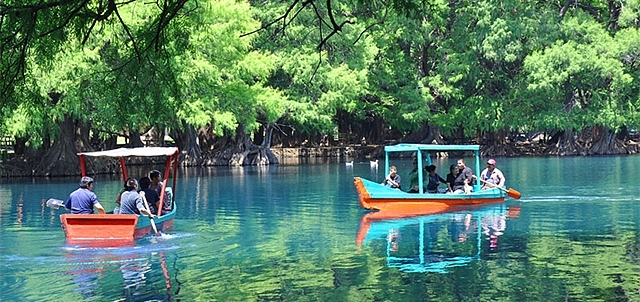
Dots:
pixel 144 270
pixel 439 241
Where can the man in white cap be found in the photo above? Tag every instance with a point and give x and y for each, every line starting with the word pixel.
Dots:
pixel 492 176
pixel 82 200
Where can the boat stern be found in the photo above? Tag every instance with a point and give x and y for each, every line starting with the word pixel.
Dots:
pixel 99 226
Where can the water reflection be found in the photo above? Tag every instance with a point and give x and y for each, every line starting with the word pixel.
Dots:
pixel 437 242
pixel 144 270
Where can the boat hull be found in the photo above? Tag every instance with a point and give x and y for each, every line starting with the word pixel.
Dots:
pixel 112 227
pixel 396 203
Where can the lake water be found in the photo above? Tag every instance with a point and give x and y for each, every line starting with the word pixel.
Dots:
pixel 297 233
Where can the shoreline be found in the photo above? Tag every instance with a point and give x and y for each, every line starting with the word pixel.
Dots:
pixel 303 154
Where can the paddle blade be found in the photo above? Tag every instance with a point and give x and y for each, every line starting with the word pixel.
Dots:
pixel 55 203
pixel 513 193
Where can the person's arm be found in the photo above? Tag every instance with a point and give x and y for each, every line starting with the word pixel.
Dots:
pixel 483 176
pixel 388 180
pixel 145 212
pixel 140 205
pixel 96 202
pixel 396 181
pixel 119 197
pixel 501 178
pixel 469 177
pixel 99 207
pixel 67 204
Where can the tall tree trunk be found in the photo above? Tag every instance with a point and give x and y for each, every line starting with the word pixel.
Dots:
pixel 134 138
pixel 497 145
pixel 426 135
pixel 20 147
pixel 187 142
pixel 61 158
pixel 604 141
pixel 374 132
pixel 566 144
pixel 245 152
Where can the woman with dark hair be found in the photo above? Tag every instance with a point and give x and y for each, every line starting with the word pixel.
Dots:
pixel 451 177
pixel 130 201
pixel 157 185
pixel 156 181
pixel 152 195
pixel 434 179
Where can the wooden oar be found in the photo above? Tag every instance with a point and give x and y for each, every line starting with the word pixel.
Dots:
pixel 146 206
pixel 511 192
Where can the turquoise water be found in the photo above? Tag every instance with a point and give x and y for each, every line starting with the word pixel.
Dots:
pixel 289 233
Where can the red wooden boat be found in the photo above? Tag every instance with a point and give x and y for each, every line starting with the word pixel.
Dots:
pixel 124 227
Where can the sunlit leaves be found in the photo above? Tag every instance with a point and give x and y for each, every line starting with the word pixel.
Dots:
pixel 630 13
pixel 582 79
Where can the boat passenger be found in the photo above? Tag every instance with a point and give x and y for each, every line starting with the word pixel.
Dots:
pixel 131 202
pixel 152 195
pixel 464 180
pixel 492 176
pixel 82 200
pixel 156 181
pixel 413 178
pixel 156 184
pixel 451 177
pixel 393 179
pixel 434 180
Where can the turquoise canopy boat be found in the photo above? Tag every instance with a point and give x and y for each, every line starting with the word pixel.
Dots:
pixel 396 203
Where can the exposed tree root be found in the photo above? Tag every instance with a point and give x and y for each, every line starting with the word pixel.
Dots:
pixel 566 144
pixel 604 142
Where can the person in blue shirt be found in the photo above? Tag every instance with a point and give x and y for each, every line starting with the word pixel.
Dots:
pixel 434 180
pixel 393 179
pixel 83 200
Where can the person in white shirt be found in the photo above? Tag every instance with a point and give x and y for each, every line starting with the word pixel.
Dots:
pixel 491 176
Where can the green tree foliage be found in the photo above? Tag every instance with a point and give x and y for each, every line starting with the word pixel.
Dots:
pixel 320 82
pixel 466 68
pixel 201 73
pixel 580 80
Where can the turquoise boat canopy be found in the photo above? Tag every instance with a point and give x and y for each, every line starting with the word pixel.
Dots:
pixel 419 148
pixel 430 147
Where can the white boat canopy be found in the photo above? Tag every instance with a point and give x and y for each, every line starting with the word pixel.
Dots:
pixel 142 151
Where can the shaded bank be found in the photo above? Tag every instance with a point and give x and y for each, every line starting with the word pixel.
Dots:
pixel 377 151
pixel 21 167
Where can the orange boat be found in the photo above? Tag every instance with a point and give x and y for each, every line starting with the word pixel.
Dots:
pixel 122 227
pixel 374 196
